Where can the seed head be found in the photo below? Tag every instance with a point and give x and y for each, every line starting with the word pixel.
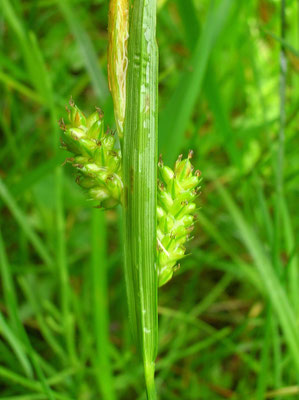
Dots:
pixel 94 155
pixel 175 204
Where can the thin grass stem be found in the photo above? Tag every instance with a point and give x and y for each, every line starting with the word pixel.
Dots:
pixel 99 271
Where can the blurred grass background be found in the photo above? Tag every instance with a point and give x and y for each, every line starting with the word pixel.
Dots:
pixel 229 318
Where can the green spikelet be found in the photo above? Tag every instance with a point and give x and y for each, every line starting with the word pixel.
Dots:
pixel 95 156
pixel 177 190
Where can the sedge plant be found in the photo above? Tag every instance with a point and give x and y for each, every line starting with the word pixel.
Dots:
pixel 122 168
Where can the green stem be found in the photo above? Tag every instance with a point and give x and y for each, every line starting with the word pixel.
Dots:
pixel 279 161
pixel 140 177
pixel 149 374
pixel 99 271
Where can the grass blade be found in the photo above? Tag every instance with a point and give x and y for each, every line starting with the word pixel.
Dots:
pixel 140 177
pixel 19 87
pixel 22 221
pixel 177 113
pixel 46 90
pixel 15 344
pixel 274 289
pixel 87 50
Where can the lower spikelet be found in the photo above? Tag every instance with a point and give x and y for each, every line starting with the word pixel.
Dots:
pixel 95 158
pixel 177 190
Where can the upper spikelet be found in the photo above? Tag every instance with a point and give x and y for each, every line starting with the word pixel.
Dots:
pixel 177 190
pixel 94 155
pixel 118 31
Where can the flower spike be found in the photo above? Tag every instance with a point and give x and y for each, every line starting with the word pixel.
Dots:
pixel 95 157
pixel 177 190
pixel 118 31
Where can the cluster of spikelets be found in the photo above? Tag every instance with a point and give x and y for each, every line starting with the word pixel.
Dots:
pixel 95 156
pixel 98 163
pixel 177 190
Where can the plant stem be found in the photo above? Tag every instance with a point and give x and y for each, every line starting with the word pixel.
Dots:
pixel 140 177
pixel 281 138
pixel 99 270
